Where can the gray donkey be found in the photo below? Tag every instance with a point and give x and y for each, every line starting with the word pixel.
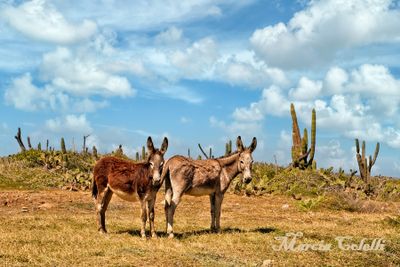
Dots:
pixel 204 177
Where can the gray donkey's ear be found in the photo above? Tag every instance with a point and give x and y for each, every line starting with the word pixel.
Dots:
pixel 239 144
pixel 164 146
pixel 253 144
pixel 150 145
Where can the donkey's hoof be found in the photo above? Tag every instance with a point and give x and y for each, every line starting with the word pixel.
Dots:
pixel 171 235
pixel 102 231
pixel 154 235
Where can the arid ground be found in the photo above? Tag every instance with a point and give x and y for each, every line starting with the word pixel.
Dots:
pixel 58 228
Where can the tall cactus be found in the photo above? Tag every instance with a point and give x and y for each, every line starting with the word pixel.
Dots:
pixel 143 153
pixel 94 151
pixel 302 156
pixel 228 148
pixel 63 149
pixel 365 165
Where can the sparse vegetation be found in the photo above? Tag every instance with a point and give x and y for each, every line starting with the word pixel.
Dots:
pixel 321 203
pixel 59 229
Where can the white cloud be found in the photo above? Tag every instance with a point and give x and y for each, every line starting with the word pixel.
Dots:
pixel 197 60
pixel 306 90
pixel 244 69
pixel 147 15
pixel 272 102
pixel 366 107
pixel 22 94
pixel 181 93
pixel 335 80
pixel 246 129
pixel 82 75
pixel 40 20
pixel 172 35
pixel 315 35
pixel 185 120
pixel 70 123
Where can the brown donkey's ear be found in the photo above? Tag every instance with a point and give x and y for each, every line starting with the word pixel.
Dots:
pixel 253 145
pixel 150 146
pixel 164 146
pixel 239 144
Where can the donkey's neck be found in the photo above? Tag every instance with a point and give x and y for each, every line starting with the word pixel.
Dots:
pixel 230 165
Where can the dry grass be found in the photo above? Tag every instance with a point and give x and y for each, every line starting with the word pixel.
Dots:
pixel 57 228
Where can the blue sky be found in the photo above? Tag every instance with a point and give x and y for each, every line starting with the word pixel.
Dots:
pixel 203 72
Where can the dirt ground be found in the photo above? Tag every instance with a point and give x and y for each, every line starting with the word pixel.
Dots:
pixel 58 228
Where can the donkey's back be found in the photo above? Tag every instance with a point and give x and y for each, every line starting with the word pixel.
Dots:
pixel 125 178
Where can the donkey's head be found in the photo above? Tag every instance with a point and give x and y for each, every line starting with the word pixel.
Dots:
pixel 245 158
pixel 155 158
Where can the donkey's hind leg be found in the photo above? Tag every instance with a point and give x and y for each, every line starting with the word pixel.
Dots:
pixel 212 204
pixel 102 201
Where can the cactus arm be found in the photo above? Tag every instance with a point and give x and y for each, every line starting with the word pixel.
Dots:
pixel 360 164
pixel 296 131
pixel 365 170
pixel 375 154
pixel 363 151
pixel 304 156
pixel 357 146
pixel 313 135
pixel 304 142
pixel 202 151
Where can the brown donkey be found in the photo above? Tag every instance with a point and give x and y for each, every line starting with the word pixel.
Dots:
pixel 204 177
pixel 130 181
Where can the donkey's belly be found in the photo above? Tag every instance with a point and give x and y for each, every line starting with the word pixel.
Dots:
pixel 128 196
pixel 200 191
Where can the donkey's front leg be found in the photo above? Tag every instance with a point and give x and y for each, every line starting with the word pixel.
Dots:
pixel 144 218
pixel 150 208
pixel 212 206
pixel 218 203
pixel 102 201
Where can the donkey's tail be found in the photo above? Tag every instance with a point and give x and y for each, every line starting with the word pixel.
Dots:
pixel 94 188
pixel 168 187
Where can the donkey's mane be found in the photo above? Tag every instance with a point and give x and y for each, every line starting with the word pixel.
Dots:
pixel 228 155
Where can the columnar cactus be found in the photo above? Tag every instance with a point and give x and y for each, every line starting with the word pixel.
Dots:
pixel 137 156
pixel 302 156
pixel 19 140
pixel 365 165
pixel 143 153
pixel 228 148
pixel 94 150
pixel 29 142
pixel 63 149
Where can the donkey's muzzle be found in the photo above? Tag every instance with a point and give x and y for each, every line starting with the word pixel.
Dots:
pixel 247 180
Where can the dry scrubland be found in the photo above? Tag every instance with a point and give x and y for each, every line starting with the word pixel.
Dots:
pixel 44 221
pixel 57 228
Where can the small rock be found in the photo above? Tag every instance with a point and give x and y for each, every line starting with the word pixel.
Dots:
pixel 24 209
pixel 285 206
pixel 267 263
pixel 45 206
pixel 5 203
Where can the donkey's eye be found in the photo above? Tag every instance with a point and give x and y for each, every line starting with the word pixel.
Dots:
pixel 241 162
pixel 151 164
